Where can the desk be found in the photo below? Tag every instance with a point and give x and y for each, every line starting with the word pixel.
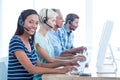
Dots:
pixel 77 77
pixel 92 69
pixel 74 77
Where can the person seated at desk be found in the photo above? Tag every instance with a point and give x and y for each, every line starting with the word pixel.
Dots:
pixel 66 35
pixel 60 39
pixel 23 62
pixel 43 47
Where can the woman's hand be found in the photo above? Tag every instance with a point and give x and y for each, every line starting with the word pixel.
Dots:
pixel 67 69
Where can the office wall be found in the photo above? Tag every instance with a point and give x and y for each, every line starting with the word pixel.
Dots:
pixel 0 27
pixel 10 12
pixel 106 10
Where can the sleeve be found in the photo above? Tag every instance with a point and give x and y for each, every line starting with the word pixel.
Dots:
pixel 38 39
pixel 57 51
pixel 14 45
pixel 54 43
pixel 61 38
pixel 60 35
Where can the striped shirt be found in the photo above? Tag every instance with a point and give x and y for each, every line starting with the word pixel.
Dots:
pixel 15 70
pixel 66 38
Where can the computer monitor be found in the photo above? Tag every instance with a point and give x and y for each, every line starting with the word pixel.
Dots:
pixel 103 44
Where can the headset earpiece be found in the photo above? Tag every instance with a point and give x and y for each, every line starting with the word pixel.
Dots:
pixel 20 22
pixel 71 25
pixel 44 20
pixel 69 22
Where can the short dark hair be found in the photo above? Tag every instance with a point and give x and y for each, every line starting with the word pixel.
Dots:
pixel 71 16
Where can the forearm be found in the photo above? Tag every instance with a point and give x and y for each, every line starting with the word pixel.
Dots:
pixel 52 71
pixel 56 60
pixel 69 51
pixel 65 58
pixel 73 51
pixel 66 51
pixel 43 70
pixel 54 64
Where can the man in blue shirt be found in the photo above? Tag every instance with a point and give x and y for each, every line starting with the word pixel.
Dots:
pixel 66 35
pixel 62 39
pixel 53 34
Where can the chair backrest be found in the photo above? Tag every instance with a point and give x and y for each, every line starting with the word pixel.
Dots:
pixel 3 71
pixel 5 60
pixel 3 68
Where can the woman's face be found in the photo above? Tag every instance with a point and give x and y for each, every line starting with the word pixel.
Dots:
pixel 51 22
pixel 31 24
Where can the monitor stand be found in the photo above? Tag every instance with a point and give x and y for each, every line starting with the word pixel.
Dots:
pixel 108 68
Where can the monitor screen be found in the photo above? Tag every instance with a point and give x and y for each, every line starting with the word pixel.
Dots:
pixel 104 41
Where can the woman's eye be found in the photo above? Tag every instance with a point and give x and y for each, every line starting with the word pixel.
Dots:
pixel 36 23
pixel 30 21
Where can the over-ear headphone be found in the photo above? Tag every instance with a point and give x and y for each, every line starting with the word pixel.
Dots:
pixel 46 17
pixel 71 25
pixel 69 22
pixel 20 22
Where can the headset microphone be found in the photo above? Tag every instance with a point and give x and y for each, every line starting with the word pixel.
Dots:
pixel 48 25
pixel 21 23
pixel 26 28
pixel 71 25
pixel 45 19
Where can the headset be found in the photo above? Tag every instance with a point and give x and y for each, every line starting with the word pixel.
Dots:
pixel 70 22
pixel 21 23
pixel 71 25
pixel 45 19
